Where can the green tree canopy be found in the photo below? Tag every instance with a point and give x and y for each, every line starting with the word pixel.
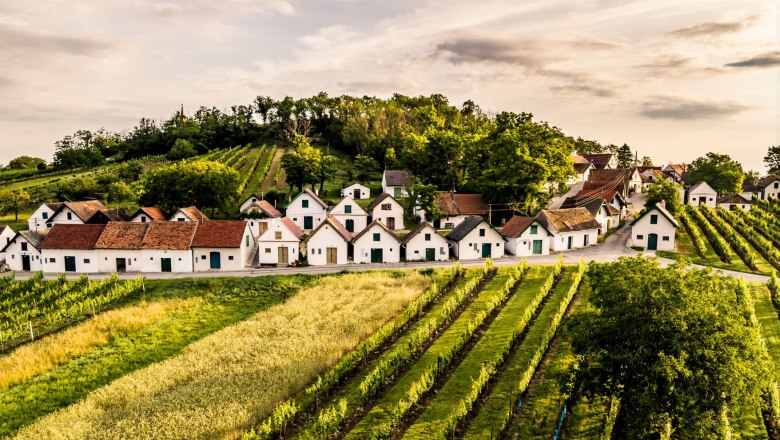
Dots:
pixel 200 183
pixel 720 171
pixel 182 149
pixel 663 190
pixel 673 344
pixel 302 164
pixel 13 201
pixel 625 158
pixel 25 163
pixel 646 161
pixel 772 160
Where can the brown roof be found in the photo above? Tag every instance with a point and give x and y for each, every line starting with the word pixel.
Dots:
pixel 378 223
pixel 579 159
pixel 169 235
pixel 462 204
pixel 122 235
pixel 604 192
pixel 336 225
pixel 265 207
pixel 292 227
pixel 54 206
pixel 766 181
pixel 516 225
pixel 598 160
pixel 193 213
pixel 580 168
pixel 397 177
pixel 84 209
pixel 381 198
pixel 32 237
pixel 609 177
pixel 734 198
pixel 153 212
pixel 219 234
pixel 66 236
pixel 417 229
pixel 106 215
pixel 565 220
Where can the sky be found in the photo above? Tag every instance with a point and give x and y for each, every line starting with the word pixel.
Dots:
pixel 672 79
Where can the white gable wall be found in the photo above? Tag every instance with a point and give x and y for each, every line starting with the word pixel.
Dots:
pixel 317 244
pixel 523 245
pixel 663 228
pixel 395 211
pixel 416 247
pixel 37 219
pixel 66 217
pixel 357 215
pixel 14 255
pixel 391 248
pixel 470 248
pixel 277 236
pixel 297 212
pixel 350 191
pixel 703 195
pixel 773 190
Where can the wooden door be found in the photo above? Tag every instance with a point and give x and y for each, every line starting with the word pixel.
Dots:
pixel 537 247
pixel 331 255
pixel 391 223
pixel 284 256
pixel 263 227
pixel 356 194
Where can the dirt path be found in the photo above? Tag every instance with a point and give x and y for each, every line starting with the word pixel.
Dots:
pixel 268 183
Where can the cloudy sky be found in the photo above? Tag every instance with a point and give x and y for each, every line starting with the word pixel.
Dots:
pixel 672 79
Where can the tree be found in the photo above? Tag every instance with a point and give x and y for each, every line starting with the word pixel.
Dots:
pixel 119 191
pixel 14 201
pixel 751 179
pixel 673 344
pixel 772 160
pixel 25 163
pixel 130 171
pixel 366 167
pixel 204 184
pixel 663 190
pixel 584 146
pixel 721 172
pixel 302 164
pixel 182 149
pixel 77 150
pixel 80 187
pixel 625 158
pixel 326 169
pixel 423 197
pixel 646 161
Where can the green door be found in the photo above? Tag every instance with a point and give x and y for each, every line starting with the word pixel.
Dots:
pixel 308 222
pixel 376 255
pixel 652 242
pixel 537 247
pixel 570 243
pixel 70 264
pixel 430 254
pixel 487 249
pixel 215 260
pixel 165 264
pixel 350 225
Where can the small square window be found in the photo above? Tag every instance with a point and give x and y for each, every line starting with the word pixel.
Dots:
pixel 180 219
pixel 45 215
pixel 278 235
pixel 665 238
pixel 230 257
pixel 654 219
pixel 305 203
pixel 86 261
pixel 267 250
pixel 376 237
pixel 52 260
pixel 386 206
pixel 640 237
pixel 427 237
pixel 534 229
pixel 481 232
pixel 348 209
pixel 24 246
pixel 202 257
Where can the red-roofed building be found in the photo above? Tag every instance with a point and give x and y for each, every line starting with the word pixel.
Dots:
pixel 328 243
pixel 526 236
pixel 280 244
pixel 71 248
pixel 222 245
pixel 307 210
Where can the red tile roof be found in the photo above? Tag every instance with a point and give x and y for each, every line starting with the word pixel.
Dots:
pixel 219 234
pixel 516 225
pixel 153 212
pixel 83 210
pixel 67 236
pixel 461 204
pixel 266 207
pixel 336 225
pixel 165 235
pixel 292 227
pixel 122 235
pixel 193 213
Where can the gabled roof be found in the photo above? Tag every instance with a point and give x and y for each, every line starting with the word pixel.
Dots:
pixel 677 168
pixel 32 237
pixel 382 197
pixel 567 220
pixel 54 206
pixel 662 210
pixel 461 204
pixel 292 227
pixel 265 207
pixel 580 168
pixel 592 205
pixel 68 236
pixel 106 215
pixel 518 224
pixel 166 235
pixel 579 159
pixel 604 192
pixel 192 213
pixel 122 235
pixel 701 186
pixel 462 230
pixel 372 225
pixel 312 194
pixel 152 212
pixel 83 210
pixel 356 184
pixel 219 234
pixel 766 181
pixel 609 177
pixel 599 160
pixel 417 230
pixel 397 177
pixel 734 198
pixel 336 225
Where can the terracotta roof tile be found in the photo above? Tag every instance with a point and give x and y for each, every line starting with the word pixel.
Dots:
pixel 67 236
pixel 566 220
pixel 265 207
pixel 122 235
pixel 153 212
pixel 219 234
pixel 193 213
pixel 292 227
pixel 516 225
pixel 461 204
pixel 336 225
pixel 84 209
pixel 165 235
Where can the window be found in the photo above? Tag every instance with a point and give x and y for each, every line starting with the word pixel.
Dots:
pixel 70 216
pixel 441 250
pixel 45 215
pixel 481 232
pixel 24 247
pixel 386 206
pixel 202 257
pixel 230 257
pixel 143 219
pixel 534 229
pixel 348 209
pixel 247 240
pixel 305 203
pixel 86 261
pixel 278 235
pixel 640 237
pixel 254 200
pixel 427 237
pixel 654 219
pixel 52 260
pixel 267 250
pixel 665 238
pixel 180 219
pixel 376 237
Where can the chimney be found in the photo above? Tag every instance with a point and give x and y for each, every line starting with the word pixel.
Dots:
pixel 662 203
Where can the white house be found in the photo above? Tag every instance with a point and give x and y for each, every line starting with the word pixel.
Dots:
pixel 307 210
pixel 702 194
pixel 602 161
pixel 456 207
pixel 394 182
pixel 655 229
pixel 23 252
pixel 259 214
pixel 376 244
pixel 582 170
pixel 188 214
pixel 76 213
pixel 350 214
pixel 732 201
pixel 571 228
pixel 387 210
pixel 474 238
pixel 356 191
pixel 41 218
pixel 119 247
pixel 280 243
pixel 6 235
pixel 769 187
pixel 166 246
pixel 423 243
pixel 222 245
pixel 675 172
pixel 526 236
pixel 148 214
pixel 328 243
pixel 71 248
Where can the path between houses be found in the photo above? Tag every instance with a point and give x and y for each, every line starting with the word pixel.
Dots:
pixel 268 183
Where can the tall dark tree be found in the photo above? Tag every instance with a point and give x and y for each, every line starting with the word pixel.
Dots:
pixel 772 160
pixel 625 157
pixel 720 171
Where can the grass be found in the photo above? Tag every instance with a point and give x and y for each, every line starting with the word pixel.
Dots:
pixel 507 326
pixel 224 382
pixel 768 320
pixel 586 419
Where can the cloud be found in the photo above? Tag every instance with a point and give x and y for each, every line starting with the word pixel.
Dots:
pixel 682 108
pixel 769 59
pixel 492 50
pixel 713 29
pixel 602 92
pixel 24 40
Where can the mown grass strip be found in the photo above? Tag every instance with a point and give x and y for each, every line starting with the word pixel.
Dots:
pixel 495 412
pixel 385 417
pixel 456 398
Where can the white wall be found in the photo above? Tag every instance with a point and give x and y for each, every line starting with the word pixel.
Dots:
pixel 38 215
pixel 248 202
pixel 560 241
pixel 14 255
pixel 730 206
pixel 773 190
pixel 711 198
pixel 350 191
pixel 324 238
pixel 139 218
pixel 230 259
pixel 296 212
pixel 269 245
pixel 452 222
pixel 62 217
pixel 396 211
pixel 643 228
pixel 522 246
pixel 181 261
pixel 106 259
pixel 466 249
pixel 415 248
pixel 358 215
pixel 54 260
pixel 391 248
